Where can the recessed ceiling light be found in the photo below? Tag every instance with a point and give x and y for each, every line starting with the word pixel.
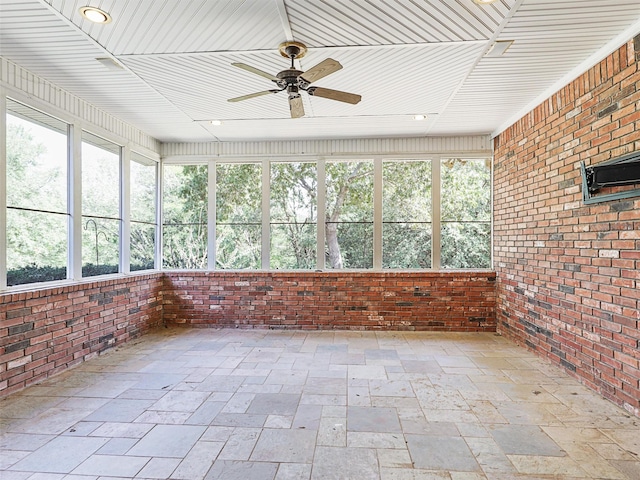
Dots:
pixel 419 117
pixel 95 15
pixel 216 123
pixel 483 2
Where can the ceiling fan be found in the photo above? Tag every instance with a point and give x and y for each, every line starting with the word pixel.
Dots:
pixel 293 80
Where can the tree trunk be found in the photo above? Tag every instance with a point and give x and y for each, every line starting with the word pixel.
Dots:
pixel 335 256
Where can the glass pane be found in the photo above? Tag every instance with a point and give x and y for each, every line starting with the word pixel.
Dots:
pixel 406 213
pixel 143 245
pixel 238 246
pixel 408 245
pixel 466 245
pixel 293 246
pixel 406 191
pixel 36 160
pixel 143 189
pixel 36 247
pixel 100 247
pixel 466 190
pixel 466 213
pixel 100 177
pixel 349 215
pixel 185 246
pixel 293 215
pixel 355 243
pixel 238 215
pixel 185 216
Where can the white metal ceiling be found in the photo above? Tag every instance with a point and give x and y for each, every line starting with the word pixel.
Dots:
pixel 404 57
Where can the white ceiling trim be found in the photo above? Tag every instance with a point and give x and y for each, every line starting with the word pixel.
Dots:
pixel 407 148
pixel 284 18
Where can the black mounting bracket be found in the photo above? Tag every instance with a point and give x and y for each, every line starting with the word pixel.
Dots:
pixel 620 171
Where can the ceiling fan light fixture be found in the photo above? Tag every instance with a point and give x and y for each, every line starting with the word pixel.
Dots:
pixel 95 15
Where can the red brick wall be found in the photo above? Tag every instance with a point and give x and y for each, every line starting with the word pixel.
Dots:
pixel 569 274
pixel 44 332
pixel 448 301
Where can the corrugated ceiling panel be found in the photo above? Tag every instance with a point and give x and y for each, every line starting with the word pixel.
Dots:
pixel 548 43
pixel 38 41
pixel 333 22
pixel 16 77
pixel 415 79
pixel 152 26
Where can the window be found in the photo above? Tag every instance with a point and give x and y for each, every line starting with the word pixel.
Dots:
pixel 185 207
pixel 466 213
pixel 143 173
pixel 238 215
pixel 406 214
pixel 349 215
pixel 37 212
pixel 330 213
pixel 293 215
pixel 100 206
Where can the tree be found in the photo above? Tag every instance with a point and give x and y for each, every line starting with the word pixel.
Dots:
pixel 293 186
pixel 466 213
pixel 185 208
pixel 349 214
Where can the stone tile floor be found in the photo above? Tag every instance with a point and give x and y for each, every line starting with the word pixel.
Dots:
pixel 237 404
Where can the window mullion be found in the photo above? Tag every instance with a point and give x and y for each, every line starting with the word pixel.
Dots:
pixel 3 189
pixel 266 211
pixel 158 262
pixel 436 229
pixel 74 203
pixel 211 217
pixel 321 206
pixel 377 213
pixel 125 209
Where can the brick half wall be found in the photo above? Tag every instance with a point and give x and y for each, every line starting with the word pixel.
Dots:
pixel 569 274
pixel 434 301
pixel 44 332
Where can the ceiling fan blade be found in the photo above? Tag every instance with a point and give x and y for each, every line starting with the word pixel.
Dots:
pixel 321 70
pixel 351 98
pixel 255 70
pixel 252 95
pixel 296 107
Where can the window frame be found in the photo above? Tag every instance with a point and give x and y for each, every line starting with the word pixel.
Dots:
pixel 74 192
pixel 75 126
pixel 266 160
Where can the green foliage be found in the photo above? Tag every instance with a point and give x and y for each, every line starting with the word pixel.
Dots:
pixel 33 273
pixel 238 216
pixel 293 215
pixel 90 270
pixel 142 246
pixel 35 240
pixel 349 215
pixel 466 214
pixel 406 214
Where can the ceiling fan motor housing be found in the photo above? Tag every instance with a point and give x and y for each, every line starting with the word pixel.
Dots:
pixel 288 77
